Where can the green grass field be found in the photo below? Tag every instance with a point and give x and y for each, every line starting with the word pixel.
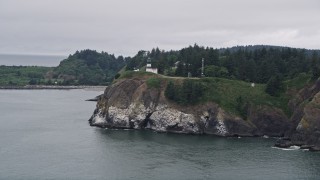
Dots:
pixel 225 93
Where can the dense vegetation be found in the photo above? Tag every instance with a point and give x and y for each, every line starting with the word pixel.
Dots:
pixel 22 75
pixel 88 67
pixel 269 65
pixel 190 92
pixel 85 67
pixel 259 64
pixel 248 63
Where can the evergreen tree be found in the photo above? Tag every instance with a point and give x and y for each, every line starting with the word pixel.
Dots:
pixel 170 91
pixel 197 92
pixel 251 73
pixel 187 92
pixel 32 81
pixel 180 71
pixel 274 86
pixel 242 106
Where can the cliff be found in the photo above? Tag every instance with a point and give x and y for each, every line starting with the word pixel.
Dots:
pixel 305 122
pixel 130 104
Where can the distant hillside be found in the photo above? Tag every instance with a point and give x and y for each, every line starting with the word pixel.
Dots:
pixel 22 75
pixel 87 67
pixel 259 47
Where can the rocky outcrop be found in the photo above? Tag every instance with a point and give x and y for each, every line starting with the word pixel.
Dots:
pixel 95 98
pixel 130 104
pixel 304 127
pixel 269 121
pixel 308 129
pixel 221 123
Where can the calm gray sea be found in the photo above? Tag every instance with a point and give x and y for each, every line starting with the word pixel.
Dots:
pixel 30 60
pixel 44 134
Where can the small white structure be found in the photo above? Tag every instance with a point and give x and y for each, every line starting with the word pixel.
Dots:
pixel 189 74
pixel 252 85
pixel 149 68
pixel 176 64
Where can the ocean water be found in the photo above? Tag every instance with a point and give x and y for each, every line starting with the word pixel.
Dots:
pixel 44 134
pixel 30 60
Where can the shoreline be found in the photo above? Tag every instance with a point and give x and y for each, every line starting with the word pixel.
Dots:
pixel 39 87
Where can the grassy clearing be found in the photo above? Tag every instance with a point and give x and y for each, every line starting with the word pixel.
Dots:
pixel 298 82
pixel 137 74
pixel 225 93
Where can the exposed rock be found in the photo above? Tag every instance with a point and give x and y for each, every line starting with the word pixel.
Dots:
pixel 165 119
pixel 224 124
pixel 306 146
pixel 98 119
pixel 314 148
pixel 129 103
pixel 283 143
pixel 305 122
pixel 269 121
pixel 95 98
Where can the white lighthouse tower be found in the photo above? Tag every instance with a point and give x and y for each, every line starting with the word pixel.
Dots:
pixel 149 68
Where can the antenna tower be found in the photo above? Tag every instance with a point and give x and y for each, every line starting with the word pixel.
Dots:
pixel 202 69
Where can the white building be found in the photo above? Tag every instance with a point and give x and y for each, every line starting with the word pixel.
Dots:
pixel 149 68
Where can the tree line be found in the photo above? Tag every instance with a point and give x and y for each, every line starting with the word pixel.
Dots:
pixel 251 63
pixel 259 64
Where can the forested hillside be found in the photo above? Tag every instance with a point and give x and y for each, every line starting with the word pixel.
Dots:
pixel 271 65
pixel 248 63
pixel 88 67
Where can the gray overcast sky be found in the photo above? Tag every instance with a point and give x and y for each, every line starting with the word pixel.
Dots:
pixel 123 27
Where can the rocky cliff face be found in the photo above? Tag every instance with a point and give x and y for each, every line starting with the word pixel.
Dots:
pixel 269 121
pixel 305 122
pixel 130 104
